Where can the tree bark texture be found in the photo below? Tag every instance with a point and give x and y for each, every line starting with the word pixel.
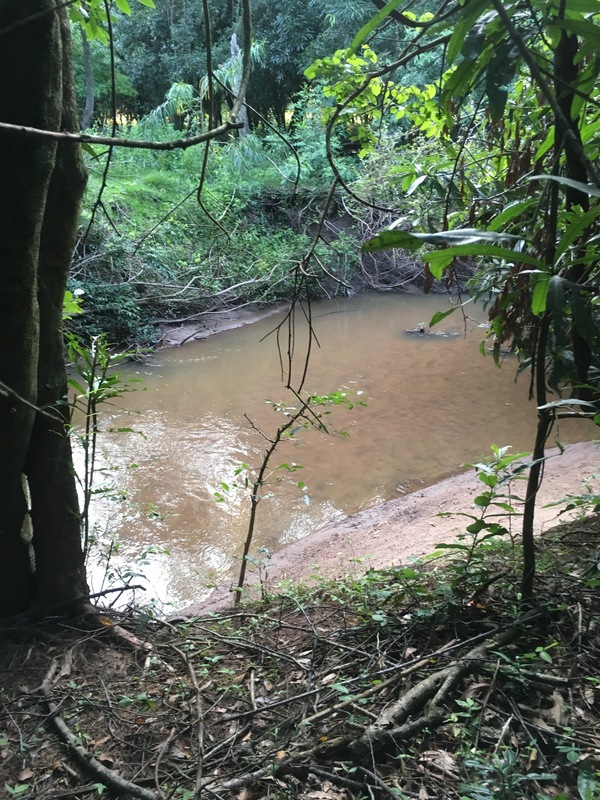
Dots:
pixel 40 189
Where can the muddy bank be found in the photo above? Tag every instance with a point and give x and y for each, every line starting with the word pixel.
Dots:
pixel 211 322
pixel 391 533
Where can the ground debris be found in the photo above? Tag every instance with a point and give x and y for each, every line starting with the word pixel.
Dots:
pixel 385 686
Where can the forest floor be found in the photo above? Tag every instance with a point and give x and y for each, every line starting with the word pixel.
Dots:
pixel 431 680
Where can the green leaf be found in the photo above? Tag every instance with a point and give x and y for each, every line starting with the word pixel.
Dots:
pixel 511 212
pixel 149 3
pixel 124 6
pixel 471 12
pixel 540 294
pixel 587 188
pixel 499 76
pixel 582 28
pixel 440 259
pixel 586 781
pixel 545 145
pixel 339 687
pixel 460 80
pixel 392 238
pixel 461 236
pixel 87 148
pixel 577 225
pixel 477 527
pixel 483 500
pixel 440 315
pixel 71 305
pixel 367 29
pixel 586 324
pixel 557 305
pixel 579 6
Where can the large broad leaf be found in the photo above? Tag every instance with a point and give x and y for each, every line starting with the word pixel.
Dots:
pixel 441 259
pixel 586 30
pixel 576 6
pixel 412 241
pixel 499 75
pixel 587 188
pixel 463 26
pixel 368 29
pixel 540 294
pixel 578 224
pixel 511 212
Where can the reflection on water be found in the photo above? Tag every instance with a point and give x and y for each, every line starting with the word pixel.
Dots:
pixel 433 404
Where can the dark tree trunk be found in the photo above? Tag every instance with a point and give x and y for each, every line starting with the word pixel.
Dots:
pixel 88 67
pixel 59 561
pixel 38 209
pixel 30 94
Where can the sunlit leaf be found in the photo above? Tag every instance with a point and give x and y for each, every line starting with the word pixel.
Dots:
pixel 540 294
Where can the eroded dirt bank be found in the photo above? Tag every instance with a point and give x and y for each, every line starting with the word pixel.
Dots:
pixel 211 322
pixel 391 533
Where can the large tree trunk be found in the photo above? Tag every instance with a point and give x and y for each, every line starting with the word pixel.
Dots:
pixel 59 561
pixel 31 367
pixel 30 94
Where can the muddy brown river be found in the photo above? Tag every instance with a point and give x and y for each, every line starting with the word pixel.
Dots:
pixel 433 403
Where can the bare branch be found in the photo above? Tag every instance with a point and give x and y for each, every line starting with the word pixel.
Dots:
pixel 136 144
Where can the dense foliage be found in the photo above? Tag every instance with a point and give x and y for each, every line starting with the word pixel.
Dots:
pixel 156 247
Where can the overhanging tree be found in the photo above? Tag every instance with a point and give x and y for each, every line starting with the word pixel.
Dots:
pixel 516 112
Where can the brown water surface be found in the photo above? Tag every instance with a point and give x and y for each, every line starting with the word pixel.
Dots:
pixel 433 403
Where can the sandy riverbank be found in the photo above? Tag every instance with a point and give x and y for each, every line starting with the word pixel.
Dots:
pixel 391 533
pixel 209 323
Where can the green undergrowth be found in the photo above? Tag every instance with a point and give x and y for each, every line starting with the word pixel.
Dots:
pixel 412 682
pixel 157 250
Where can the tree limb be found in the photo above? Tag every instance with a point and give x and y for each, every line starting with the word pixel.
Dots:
pixel 106 776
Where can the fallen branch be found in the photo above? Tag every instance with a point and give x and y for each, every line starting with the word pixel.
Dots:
pixel 108 777
pixel 398 722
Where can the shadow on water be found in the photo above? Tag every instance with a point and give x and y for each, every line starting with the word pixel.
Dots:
pixel 433 403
